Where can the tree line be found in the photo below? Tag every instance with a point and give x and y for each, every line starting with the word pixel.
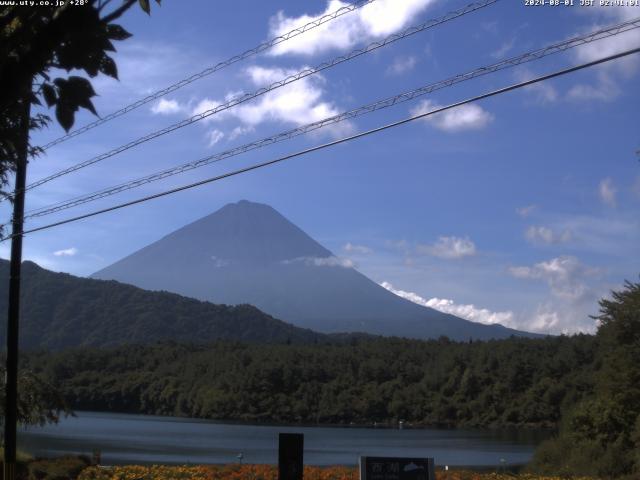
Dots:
pixel 516 382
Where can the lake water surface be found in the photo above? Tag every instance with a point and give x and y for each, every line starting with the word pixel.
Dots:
pixel 126 438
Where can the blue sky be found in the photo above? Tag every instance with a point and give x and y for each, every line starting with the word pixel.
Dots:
pixel 521 209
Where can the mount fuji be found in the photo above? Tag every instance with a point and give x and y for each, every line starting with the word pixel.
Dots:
pixel 248 253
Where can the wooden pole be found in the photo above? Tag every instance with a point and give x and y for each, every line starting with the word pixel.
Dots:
pixel 11 379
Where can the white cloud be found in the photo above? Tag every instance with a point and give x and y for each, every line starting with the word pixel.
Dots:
pixel 214 136
pixel 361 249
pixel 299 102
pixel 604 89
pixel 505 48
pixel 239 131
pixel 524 212
pixel 607 192
pixel 564 275
pixel 375 20
pixel 490 27
pixel 322 262
pixel 609 46
pixel 464 117
pixel 401 245
pixel 545 320
pixel 567 310
pixel 540 235
pixel 449 248
pixel 574 291
pixel 67 252
pixel 402 65
pixel 613 233
pixel 468 311
pixel 544 92
pixel 220 262
pixel 166 107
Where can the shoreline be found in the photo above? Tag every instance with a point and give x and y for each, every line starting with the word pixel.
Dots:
pixel 368 425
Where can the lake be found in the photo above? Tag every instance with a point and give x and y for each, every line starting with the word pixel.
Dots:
pixel 124 438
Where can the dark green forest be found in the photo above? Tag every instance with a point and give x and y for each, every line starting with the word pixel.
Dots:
pixel 499 383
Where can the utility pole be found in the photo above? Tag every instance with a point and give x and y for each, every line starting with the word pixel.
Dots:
pixel 11 378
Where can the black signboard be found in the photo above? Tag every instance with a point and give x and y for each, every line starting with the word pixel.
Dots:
pixel 396 468
pixel 290 450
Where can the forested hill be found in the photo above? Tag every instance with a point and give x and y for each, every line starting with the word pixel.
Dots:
pixel 59 311
pixel 497 383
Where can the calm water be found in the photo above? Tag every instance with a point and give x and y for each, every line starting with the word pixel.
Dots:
pixel 150 439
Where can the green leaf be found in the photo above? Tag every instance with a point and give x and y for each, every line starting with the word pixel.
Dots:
pixel 144 4
pixel 73 93
pixel 108 67
pixel 88 104
pixel 49 94
pixel 81 85
pixel 116 32
pixel 65 116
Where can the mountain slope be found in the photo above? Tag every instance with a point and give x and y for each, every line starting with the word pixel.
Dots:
pixel 249 253
pixel 59 310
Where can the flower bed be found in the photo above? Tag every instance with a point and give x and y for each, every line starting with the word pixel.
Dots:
pixel 267 472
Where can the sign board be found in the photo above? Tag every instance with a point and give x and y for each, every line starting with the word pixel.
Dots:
pixel 396 468
pixel 290 451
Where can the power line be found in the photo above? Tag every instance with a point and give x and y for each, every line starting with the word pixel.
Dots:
pixel 362 110
pixel 331 144
pixel 237 100
pixel 212 69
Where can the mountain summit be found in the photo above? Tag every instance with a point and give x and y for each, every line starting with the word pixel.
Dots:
pixel 249 253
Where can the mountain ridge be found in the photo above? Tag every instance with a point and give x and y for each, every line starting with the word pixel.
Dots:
pixel 247 252
pixel 60 310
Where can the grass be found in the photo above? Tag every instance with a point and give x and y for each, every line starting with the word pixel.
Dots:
pixel 21 457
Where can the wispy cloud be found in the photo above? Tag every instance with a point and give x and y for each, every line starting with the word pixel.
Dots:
pixel 322 262
pixel 360 249
pixel 564 275
pixel 140 73
pixel 214 136
pixel 607 192
pixel 543 92
pixel 613 233
pixel 67 252
pixel 603 88
pixel 505 48
pixel 402 65
pixel 449 248
pixel 372 21
pixel 239 131
pixel 574 289
pixel 524 212
pixel 465 117
pixel 540 235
